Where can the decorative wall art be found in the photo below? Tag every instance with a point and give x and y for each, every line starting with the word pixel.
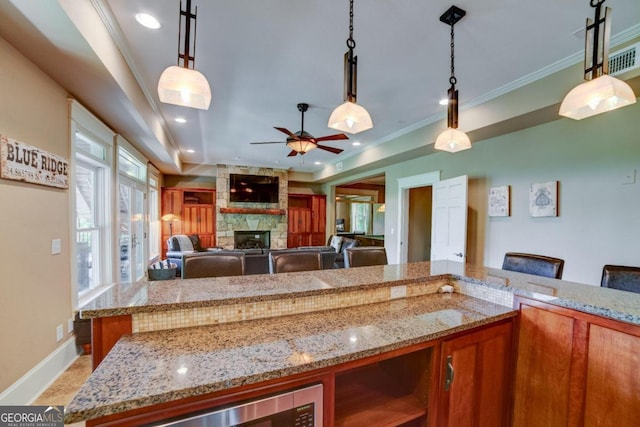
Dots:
pixel 23 162
pixel 543 199
pixel 499 203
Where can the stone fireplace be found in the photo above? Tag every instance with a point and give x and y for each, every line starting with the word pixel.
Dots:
pixel 254 218
pixel 252 239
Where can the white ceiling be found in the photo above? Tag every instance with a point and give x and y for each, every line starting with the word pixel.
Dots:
pixel 263 57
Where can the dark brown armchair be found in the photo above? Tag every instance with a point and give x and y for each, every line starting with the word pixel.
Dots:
pixel 214 264
pixel 294 260
pixel 363 256
pixel 539 265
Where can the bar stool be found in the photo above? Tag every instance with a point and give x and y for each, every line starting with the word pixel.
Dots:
pixel 621 277
pixel 539 265
pixel 363 256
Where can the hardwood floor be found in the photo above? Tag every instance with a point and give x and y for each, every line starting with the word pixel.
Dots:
pixel 65 387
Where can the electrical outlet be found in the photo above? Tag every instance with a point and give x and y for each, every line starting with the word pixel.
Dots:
pixel 398 292
pixel 629 177
pixel 59 333
pixel 69 326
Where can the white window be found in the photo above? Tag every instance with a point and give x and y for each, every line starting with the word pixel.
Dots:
pixel 91 174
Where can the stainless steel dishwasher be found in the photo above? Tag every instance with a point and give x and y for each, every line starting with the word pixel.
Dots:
pixel 296 408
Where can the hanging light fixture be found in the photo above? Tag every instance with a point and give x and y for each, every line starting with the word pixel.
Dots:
pixel 350 117
pixel 183 85
pixel 452 139
pixel 601 92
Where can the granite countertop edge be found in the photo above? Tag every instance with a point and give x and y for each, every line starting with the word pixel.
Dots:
pixel 123 406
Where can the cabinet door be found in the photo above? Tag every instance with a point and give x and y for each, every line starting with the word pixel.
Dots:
pixel 613 381
pixel 543 372
pixel 319 212
pixel 475 378
pixel 171 204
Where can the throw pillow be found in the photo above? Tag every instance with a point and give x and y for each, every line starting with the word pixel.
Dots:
pixel 336 243
pixel 195 241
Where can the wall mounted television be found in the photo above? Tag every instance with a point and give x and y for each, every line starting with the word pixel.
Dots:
pixel 253 188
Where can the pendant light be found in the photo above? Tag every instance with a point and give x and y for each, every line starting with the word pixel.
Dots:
pixel 452 139
pixel 350 117
pixel 183 85
pixel 601 92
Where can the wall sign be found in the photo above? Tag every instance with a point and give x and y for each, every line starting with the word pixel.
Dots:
pixel 23 162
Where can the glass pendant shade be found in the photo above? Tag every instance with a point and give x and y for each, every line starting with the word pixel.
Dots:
pixel 184 87
pixel 452 140
pixel 301 146
pixel 350 118
pixel 596 96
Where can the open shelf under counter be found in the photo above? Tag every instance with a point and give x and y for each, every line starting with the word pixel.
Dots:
pixel 389 393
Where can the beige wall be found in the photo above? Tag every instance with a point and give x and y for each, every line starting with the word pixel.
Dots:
pixel 35 291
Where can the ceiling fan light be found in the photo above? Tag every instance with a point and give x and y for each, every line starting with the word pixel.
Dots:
pixel 301 146
pixel 350 118
pixel 452 140
pixel 184 87
pixel 596 96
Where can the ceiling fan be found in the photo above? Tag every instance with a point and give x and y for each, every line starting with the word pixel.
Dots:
pixel 302 142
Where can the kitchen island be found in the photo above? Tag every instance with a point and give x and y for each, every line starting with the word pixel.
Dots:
pixel 246 336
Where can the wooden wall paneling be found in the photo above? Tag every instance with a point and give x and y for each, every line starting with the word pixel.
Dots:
pixel 105 332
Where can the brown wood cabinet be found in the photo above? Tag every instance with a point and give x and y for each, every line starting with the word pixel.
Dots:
pixel 306 220
pixel 575 369
pixel 475 378
pixel 196 210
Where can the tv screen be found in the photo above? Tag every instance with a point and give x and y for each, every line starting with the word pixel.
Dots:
pixel 253 188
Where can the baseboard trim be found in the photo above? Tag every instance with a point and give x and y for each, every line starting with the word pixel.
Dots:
pixel 33 383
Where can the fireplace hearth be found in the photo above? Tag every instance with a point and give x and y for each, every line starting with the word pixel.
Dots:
pixel 252 239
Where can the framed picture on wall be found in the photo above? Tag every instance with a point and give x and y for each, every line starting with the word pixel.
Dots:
pixel 499 201
pixel 543 199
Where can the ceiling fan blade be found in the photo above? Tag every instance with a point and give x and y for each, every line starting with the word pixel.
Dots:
pixel 268 142
pixel 293 153
pixel 331 149
pixel 336 137
pixel 288 132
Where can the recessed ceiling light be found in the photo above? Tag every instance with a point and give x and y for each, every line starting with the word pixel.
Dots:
pixel 443 101
pixel 355 144
pixel 191 151
pixel 147 20
pixel 317 163
pixel 180 120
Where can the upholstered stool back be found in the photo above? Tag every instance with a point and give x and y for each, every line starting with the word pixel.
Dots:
pixel 294 260
pixel 363 256
pixel 539 265
pixel 216 264
pixel 621 277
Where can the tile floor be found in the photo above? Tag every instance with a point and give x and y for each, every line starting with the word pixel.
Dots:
pixel 67 385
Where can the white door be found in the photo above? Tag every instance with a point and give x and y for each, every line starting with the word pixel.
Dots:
pixel 131 236
pixel 449 220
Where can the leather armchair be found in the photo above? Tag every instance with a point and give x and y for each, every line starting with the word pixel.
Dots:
pixel 364 256
pixel 294 260
pixel 538 265
pixel 180 245
pixel 339 244
pixel 223 263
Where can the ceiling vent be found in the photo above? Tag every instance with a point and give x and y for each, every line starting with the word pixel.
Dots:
pixel 624 60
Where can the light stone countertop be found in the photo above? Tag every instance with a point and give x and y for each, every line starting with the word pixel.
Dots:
pixel 153 367
pixel 156 367
pixel 142 297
